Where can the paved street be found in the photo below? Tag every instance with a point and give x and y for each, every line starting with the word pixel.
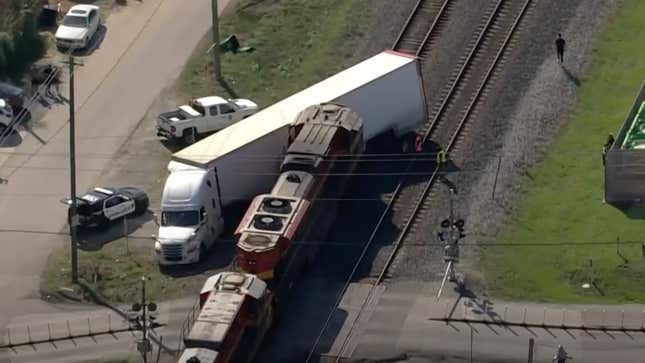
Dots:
pixel 397 327
pixel 399 323
pixel 396 324
pixel 122 344
pixel 146 46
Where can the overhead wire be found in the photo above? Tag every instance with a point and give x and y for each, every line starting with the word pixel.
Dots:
pixel 246 156
pixel 251 173
pixel 422 243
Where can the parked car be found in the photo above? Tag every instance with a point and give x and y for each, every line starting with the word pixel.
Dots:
pixel 6 116
pixel 101 205
pixel 15 96
pixel 202 115
pixel 78 27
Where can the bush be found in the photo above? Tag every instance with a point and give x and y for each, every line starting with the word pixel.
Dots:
pixel 20 43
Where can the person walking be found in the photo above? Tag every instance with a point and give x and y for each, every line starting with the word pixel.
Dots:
pixel 607 146
pixel 441 157
pixel 560 43
pixel 561 355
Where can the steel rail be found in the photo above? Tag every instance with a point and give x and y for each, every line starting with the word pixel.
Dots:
pixel 417 18
pixel 425 40
pixel 405 28
pixel 462 72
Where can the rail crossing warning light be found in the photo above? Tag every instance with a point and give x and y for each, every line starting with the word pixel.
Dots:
pixel 451 234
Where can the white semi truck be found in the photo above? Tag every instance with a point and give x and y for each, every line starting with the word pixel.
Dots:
pixel 243 160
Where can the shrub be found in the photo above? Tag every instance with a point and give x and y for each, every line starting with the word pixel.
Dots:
pixel 20 42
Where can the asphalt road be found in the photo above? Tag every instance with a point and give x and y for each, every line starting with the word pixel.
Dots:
pixel 145 47
pixel 77 323
pixel 396 326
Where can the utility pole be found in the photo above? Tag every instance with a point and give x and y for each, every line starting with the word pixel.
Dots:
pixel 216 53
pixel 73 218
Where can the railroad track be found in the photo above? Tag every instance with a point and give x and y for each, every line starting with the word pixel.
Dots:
pixel 420 28
pixel 447 119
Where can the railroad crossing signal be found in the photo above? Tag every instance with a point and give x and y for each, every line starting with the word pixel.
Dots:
pixel 452 232
pixel 145 320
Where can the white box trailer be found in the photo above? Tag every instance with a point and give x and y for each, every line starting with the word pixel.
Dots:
pixel 243 160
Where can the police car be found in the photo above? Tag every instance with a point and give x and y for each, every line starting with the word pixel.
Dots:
pixel 101 205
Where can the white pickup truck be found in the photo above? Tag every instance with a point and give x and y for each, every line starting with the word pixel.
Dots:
pixel 202 115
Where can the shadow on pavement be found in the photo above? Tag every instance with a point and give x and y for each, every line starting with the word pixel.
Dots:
pixel 218 257
pixel 94 240
pixel 10 138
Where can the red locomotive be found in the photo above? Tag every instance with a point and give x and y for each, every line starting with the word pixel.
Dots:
pixel 236 308
pixel 233 308
pixel 325 141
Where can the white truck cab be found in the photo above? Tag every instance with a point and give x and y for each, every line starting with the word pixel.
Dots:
pixel 202 115
pixel 190 218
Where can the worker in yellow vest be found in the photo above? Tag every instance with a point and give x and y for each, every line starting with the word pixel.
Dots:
pixel 441 157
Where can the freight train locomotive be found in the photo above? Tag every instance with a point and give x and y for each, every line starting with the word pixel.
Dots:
pixel 325 140
pixel 236 308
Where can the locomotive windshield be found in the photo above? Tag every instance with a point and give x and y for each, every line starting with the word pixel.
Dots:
pixel 300 162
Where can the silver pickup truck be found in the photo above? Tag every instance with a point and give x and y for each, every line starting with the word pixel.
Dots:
pixel 203 115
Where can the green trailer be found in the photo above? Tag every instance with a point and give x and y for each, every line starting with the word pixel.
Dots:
pixel 625 159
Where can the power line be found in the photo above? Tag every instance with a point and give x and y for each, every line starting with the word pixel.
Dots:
pixel 261 157
pixel 277 173
pixel 232 199
pixel 382 243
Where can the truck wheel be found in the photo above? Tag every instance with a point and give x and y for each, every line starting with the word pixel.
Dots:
pixel 102 223
pixel 141 206
pixel 190 135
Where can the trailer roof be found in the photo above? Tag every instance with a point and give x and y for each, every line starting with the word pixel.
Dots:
pixel 284 112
